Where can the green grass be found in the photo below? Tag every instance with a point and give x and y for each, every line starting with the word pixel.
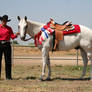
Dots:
pixel 64 79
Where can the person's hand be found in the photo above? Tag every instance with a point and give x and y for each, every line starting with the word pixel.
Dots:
pixel 17 33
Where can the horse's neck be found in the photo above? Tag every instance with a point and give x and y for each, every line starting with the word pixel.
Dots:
pixel 34 28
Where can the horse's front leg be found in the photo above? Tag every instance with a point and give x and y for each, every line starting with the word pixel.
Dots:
pixel 45 53
pixel 49 68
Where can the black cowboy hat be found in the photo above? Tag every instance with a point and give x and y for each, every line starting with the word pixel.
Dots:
pixel 5 18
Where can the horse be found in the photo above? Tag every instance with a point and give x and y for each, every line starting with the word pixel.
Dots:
pixel 83 40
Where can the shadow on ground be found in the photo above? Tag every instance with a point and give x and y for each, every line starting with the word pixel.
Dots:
pixel 72 79
pixel 53 79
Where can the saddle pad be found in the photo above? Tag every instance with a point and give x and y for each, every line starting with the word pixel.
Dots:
pixel 75 30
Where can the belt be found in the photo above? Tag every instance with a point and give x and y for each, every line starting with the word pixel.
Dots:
pixel 3 42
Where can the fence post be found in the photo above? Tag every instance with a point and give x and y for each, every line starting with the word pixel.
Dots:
pixel 77 56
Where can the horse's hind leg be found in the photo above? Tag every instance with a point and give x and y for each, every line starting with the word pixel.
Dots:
pixel 89 54
pixel 85 61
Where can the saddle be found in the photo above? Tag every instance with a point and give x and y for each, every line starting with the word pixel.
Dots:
pixel 66 26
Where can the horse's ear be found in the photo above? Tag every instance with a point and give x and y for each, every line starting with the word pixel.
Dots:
pixel 18 17
pixel 25 17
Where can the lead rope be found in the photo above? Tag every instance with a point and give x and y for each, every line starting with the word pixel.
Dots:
pixel 27 39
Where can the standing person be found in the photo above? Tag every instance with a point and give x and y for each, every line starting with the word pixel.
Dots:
pixel 6 34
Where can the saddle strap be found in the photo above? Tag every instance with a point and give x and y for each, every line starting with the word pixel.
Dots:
pixel 53 41
pixel 57 36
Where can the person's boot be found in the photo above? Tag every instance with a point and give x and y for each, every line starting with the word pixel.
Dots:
pixel 8 72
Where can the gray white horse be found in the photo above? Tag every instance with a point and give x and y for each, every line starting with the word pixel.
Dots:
pixel 82 40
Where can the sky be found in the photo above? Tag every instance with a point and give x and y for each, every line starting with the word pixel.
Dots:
pixel 77 11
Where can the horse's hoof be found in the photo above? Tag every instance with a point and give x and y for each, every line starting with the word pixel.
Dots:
pixel 48 79
pixel 41 79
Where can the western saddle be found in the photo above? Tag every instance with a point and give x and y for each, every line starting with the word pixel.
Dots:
pixel 58 34
pixel 66 26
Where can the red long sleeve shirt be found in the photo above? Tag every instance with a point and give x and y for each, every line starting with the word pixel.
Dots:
pixel 6 33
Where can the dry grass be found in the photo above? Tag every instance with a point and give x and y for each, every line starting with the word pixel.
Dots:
pixel 28 51
pixel 64 79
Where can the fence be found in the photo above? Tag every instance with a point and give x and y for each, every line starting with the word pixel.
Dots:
pixel 56 58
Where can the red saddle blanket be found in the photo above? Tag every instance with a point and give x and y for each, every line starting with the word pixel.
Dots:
pixel 75 30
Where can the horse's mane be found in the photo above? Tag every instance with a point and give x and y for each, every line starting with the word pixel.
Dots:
pixel 35 23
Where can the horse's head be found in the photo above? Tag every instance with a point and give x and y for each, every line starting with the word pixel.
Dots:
pixel 22 27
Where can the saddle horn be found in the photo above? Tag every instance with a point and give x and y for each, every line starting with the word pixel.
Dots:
pixel 52 21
